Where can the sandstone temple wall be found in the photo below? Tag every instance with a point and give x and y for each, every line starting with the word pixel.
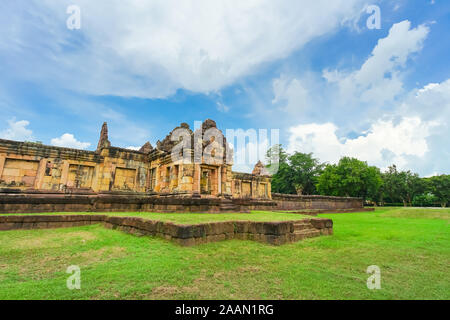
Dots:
pixel 34 201
pixel 31 166
pixel 27 166
pixel 247 185
pixel 302 202
pixel 40 178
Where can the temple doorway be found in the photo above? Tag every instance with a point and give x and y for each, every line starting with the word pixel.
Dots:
pixel 205 181
pixel 209 180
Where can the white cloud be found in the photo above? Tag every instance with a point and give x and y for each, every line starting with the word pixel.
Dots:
pixel 429 87
pixel 385 143
pixel 431 103
pixel 17 131
pixel 290 94
pixel 133 148
pixel 151 49
pixel 222 107
pixel 340 96
pixel 379 80
pixel 415 135
pixel 68 140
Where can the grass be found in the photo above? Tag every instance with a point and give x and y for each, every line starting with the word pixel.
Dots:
pixel 411 247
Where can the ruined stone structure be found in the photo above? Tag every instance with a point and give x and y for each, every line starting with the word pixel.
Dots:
pixel 34 166
pixel 275 233
pixel 36 177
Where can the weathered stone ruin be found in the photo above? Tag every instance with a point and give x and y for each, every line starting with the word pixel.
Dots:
pixel 40 178
pixel 275 233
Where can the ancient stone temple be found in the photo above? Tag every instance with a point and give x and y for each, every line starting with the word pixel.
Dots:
pixel 187 171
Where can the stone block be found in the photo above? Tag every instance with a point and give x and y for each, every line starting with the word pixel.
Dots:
pixel 5 226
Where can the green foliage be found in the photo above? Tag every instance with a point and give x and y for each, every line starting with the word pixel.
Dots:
pixel 302 173
pixel 351 178
pixel 424 200
pixel 278 165
pixel 297 173
pixel 305 172
pixel 392 185
pixel 402 185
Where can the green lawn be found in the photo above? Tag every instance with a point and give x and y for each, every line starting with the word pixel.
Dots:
pixel 411 247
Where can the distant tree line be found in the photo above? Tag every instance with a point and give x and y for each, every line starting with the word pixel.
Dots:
pixel 301 173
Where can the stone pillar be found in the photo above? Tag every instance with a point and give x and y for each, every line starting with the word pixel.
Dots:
pixel 156 186
pixel 95 178
pixel 64 173
pixel 269 190
pixel 197 172
pixel 219 180
pixel 2 164
pixel 148 179
pixel 229 180
pixel 254 188
pixel 40 174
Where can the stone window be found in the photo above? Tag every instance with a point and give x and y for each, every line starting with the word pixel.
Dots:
pixel 167 178
pixel 152 179
pixel 48 169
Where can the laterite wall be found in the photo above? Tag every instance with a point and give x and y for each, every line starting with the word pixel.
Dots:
pixel 275 233
pixel 296 202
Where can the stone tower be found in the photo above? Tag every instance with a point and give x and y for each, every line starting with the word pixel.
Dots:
pixel 103 142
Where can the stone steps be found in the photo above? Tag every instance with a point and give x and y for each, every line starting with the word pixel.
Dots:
pixel 304 230
pixel 302 225
pixel 229 209
pixel 228 206
pixel 305 234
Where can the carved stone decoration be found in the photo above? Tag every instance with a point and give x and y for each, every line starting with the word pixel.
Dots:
pixel 103 142
pixel 188 170
pixel 205 142
pixel 167 144
pixel 208 123
pixel 260 170
pixel 39 178
pixel 146 148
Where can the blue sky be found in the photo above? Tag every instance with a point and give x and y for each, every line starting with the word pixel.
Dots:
pixel 313 70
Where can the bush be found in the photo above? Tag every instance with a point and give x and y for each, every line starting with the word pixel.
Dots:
pixel 425 200
pixel 393 204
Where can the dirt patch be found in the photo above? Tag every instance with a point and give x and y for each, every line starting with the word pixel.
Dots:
pixel 442 214
pixel 165 291
pixel 217 286
pixel 249 269
pixel 40 267
pixel 51 240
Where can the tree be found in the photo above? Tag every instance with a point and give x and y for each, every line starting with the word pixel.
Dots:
pixel 440 187
pixel 278 166
pixel 297 173
pixel 424 200
pixel 352 178
pixel 402 185
pixel 412 186
pixel 305 170
pixel 392 184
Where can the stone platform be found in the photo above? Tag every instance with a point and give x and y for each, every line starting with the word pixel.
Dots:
pixel 86 200
pixel 274 233
pixel 315 212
